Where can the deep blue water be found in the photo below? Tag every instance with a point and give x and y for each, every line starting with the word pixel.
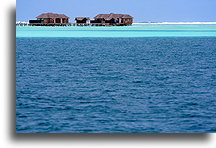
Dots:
pixel 115 85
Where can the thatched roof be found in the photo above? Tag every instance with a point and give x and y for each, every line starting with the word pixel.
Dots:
pixel 52 15
pixel 126 16
pixel 82 18
pixel 112 16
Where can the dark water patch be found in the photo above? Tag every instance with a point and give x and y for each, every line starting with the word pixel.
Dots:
pixel 43 124
pixel 22 116
pixel 137 81
pixel 192 104
pixel 213 130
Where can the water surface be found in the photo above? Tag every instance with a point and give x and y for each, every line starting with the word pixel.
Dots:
pixel 114 85
pixel 119 31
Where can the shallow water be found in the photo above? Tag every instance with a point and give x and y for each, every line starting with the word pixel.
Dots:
pixel 106 85
pixel 120 31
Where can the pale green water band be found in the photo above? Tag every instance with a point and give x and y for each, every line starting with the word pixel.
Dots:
pixel 119 31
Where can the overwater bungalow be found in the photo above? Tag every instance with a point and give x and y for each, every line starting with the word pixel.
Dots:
pixel 113 19
pixel 50 19
pixel 54 19
pixel 82 20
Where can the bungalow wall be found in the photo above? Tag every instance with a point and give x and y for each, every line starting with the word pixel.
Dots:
pixel 64 20
pixel 81 21
pixel 96 21
pixel 47 20
pixel 127 21
pixel 54 20
pixel 112 21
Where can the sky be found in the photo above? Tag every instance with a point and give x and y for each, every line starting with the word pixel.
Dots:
pixel 141 10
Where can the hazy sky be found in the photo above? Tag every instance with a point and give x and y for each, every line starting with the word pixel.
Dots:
pixel 141 10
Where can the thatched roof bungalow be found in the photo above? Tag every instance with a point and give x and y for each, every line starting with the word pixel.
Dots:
pixel 112 18
pixel 53 18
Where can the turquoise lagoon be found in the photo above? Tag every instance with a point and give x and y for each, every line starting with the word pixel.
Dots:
pixel 119 31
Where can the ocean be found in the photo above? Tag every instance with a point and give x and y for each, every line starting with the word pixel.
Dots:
pixel 136 79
